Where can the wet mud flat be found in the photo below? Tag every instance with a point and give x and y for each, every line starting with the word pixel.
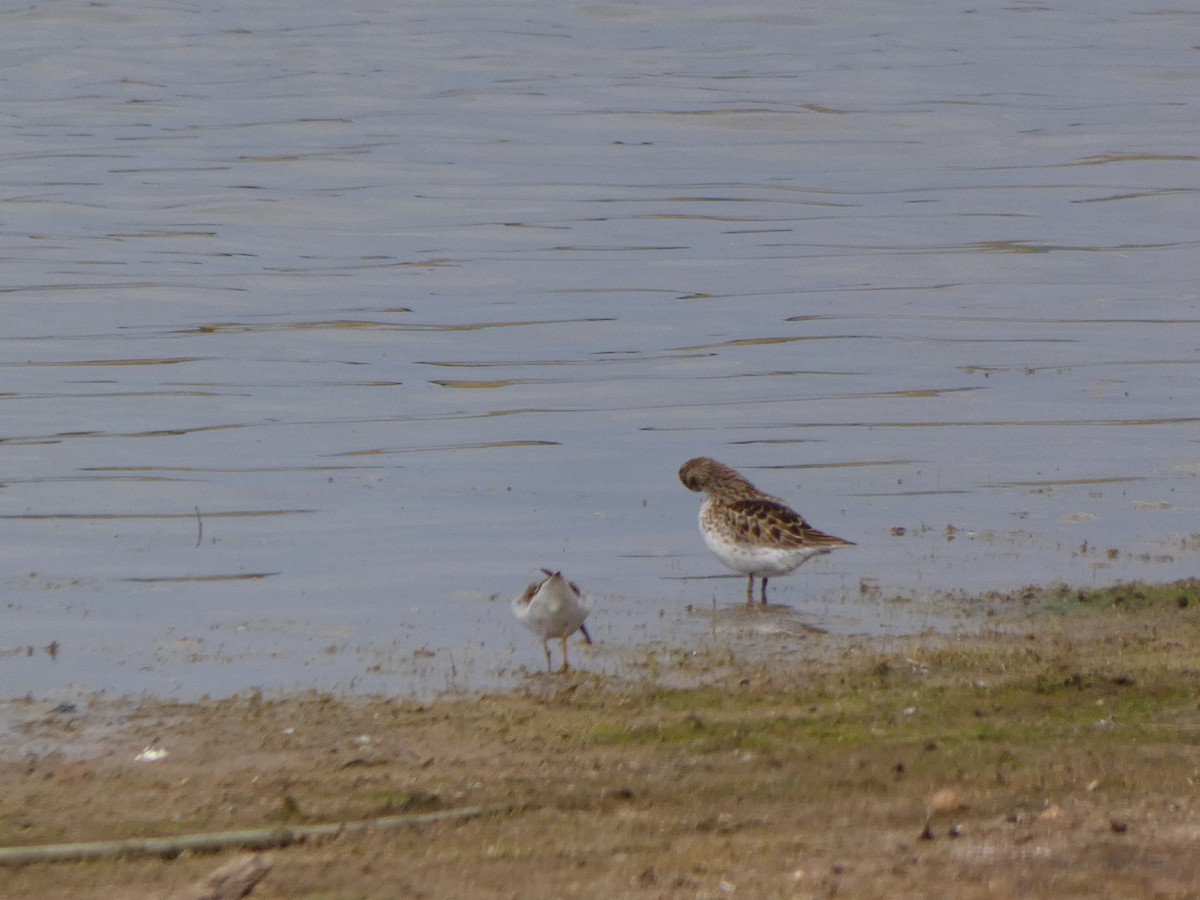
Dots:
pixel 1051 755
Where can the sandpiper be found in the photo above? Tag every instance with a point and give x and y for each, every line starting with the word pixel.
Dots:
pixel 553 608
pixel 749 531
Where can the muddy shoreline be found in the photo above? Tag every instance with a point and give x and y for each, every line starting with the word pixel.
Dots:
pixel 1054 754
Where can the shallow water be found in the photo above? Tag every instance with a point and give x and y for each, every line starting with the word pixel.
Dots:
pixel 325 328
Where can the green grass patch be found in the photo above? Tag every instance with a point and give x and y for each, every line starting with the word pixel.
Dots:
pixel 1135 595
pixel 1117 665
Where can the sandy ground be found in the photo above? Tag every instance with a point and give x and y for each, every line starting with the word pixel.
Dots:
pixel 1053 756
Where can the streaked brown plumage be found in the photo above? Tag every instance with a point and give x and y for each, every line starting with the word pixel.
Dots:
pixel 749 531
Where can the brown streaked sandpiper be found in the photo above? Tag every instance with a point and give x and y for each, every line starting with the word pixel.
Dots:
pixel 749 531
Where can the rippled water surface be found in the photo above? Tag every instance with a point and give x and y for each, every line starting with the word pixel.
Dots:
pixel 326 326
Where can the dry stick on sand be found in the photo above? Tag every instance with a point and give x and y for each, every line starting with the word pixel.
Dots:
pixel 248 839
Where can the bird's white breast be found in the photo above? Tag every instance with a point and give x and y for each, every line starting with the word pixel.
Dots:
pixel 553 610
pixel 754 560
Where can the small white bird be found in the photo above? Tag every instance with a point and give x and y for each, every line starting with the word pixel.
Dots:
pixel 553 608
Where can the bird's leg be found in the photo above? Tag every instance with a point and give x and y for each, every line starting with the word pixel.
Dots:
pixel 750 591
pixel 764 590
pixel 564 646
pixel 546 650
